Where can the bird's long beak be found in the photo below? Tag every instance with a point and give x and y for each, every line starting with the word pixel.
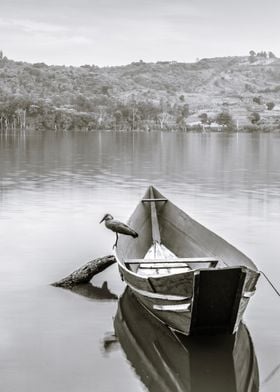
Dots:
pixel 102 219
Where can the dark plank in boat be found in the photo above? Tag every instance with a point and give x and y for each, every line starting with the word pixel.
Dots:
pixel 216 300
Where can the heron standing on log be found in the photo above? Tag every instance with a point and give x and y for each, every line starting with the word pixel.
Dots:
pixel 118 227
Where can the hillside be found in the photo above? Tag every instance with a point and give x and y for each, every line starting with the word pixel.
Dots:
pixel 227 92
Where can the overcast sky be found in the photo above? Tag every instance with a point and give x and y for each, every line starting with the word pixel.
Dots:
pixel 113 32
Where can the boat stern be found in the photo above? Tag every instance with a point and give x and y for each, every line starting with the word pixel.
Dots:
pixel 220 299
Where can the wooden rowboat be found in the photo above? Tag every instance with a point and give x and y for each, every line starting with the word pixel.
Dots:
pixel 184 274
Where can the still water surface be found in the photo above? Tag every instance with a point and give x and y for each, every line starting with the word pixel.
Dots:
pixel 55 187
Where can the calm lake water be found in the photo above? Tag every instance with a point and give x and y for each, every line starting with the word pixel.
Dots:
pixel 54 189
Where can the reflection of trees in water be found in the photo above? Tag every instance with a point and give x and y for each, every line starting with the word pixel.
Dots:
pixel 168 362
pixel 231 163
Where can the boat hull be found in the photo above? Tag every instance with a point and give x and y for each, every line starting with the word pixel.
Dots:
pixel 205 301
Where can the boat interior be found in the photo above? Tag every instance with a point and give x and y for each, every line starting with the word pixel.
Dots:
pixel 165 244
pixel 159 260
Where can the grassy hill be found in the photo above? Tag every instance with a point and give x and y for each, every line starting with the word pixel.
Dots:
pixel 226 92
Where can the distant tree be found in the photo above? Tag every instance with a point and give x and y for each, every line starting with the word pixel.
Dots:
pixel 185 110
pixel 163 118
pixel 270 105
pixel 262 54
pixel 224 119
pixel 118 119
pixel 182 98
pixel 181 123
pixel 257 100
pixel 134 117
pixel 63 120
pixel 254 117
pixel 1 55
pixel 271 55
pixel 252 57
pixel 203 118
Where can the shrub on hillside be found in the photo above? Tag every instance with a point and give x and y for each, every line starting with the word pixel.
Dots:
pixel 257 100
pixel 204 118
pixel 271 55
pixel 270 105
pixel 254 117
pixel 224 119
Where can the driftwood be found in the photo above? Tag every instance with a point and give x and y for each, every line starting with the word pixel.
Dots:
pixel 85 273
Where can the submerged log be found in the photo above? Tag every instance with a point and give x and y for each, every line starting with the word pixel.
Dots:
pixel 85 273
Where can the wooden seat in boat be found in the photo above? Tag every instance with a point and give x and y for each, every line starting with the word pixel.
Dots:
pixel 170 263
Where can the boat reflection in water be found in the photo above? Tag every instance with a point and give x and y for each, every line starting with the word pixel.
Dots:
pixel 167 362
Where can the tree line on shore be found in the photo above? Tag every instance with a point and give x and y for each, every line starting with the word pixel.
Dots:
pixel 139 96
pixel 23 114
pixel 19 113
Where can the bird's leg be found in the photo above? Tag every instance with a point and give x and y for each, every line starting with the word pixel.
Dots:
pixel 115 244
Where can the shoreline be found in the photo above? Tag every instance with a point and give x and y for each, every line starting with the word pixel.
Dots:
pixel 201 130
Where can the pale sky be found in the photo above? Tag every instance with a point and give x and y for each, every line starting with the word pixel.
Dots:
pixel 114 32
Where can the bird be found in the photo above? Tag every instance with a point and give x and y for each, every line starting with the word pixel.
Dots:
pixel 118 227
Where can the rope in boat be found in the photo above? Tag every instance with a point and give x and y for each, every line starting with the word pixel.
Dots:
pixel 271 284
